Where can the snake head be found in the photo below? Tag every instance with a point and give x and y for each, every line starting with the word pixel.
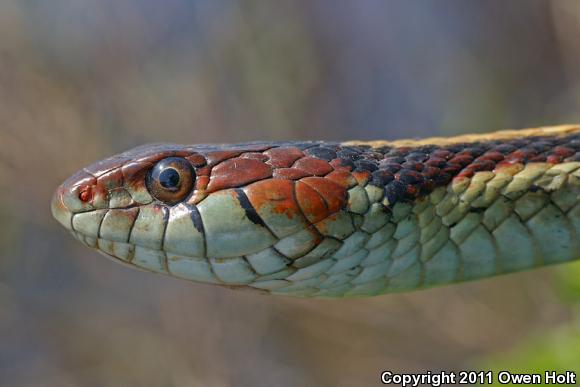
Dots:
pixel 226 214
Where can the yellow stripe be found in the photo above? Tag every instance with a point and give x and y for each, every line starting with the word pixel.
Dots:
pixel 561 130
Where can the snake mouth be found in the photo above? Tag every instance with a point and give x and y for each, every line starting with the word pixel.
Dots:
pixel 210 242
pixel 196 269
pixel 94 229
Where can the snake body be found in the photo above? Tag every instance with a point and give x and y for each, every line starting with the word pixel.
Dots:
pixel 326 219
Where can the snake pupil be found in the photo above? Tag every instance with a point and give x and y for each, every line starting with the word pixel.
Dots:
pixel 169 178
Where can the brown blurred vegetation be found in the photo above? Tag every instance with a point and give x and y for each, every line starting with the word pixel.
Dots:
pixel 81 80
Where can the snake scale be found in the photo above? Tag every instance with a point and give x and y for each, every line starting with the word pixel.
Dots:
pixel 329 219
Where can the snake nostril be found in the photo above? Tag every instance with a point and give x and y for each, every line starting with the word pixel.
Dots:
pixel 85 194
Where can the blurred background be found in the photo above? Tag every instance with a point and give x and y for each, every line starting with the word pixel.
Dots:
pixel 80 80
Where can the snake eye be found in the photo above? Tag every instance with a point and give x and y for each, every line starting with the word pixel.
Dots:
pixel 171 180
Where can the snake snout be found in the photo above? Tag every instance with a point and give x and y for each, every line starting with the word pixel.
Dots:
pixel 77 194
pixel 59 211
pixel 75 204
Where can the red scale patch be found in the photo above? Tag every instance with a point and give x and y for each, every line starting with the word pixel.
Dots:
pixel 237 172
pixel 290 173
pixel 462 160
pixel 362 177
pixel 196 160
pixel 520 155
pixel 333 194
pixel 342 177
pixel 135 170
pixel 311 203
pixel 217 157
pixel 492 155
pixel 275 195
pixel 201 183
pixel 413 190
pixel 442 153
pixel 283 157
pixel 563 151
pixel 313 166
pixel 465 173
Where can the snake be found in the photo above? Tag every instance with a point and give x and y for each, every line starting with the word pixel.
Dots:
pixel 334 219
